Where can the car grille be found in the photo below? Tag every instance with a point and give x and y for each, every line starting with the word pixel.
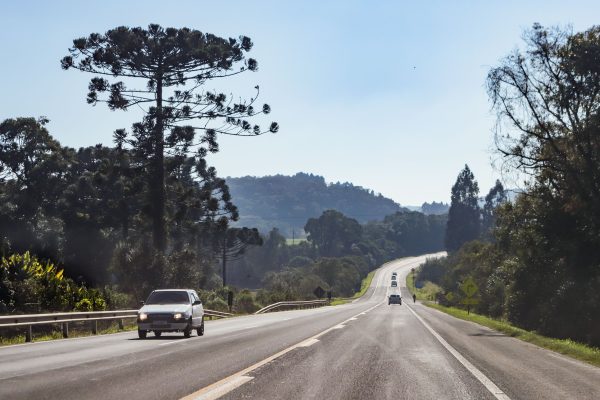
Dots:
pixel 160 317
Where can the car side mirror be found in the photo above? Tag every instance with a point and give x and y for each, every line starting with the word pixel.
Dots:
pixel 142 303
pixel 197 303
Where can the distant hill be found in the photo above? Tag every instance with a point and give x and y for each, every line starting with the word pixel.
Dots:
pixel 287 202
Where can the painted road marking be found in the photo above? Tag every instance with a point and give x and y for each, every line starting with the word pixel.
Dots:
pixel 487 382
pixel 173 342
pixel 232 382
pixel 308 342
pixel 225 388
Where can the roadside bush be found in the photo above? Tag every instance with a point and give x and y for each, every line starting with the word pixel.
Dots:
pixel 26 281
pixel 217 304
pixel 116 300
pixel 245 303
pixel 432 270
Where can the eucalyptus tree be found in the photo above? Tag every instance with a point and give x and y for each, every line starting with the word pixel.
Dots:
pixel 495 198
pixel 163 72
pixel 464 215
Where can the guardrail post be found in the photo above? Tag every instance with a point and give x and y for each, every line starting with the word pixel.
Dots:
pixel 29 334
pixel 94 327
pixel 65 329
pixel 120 322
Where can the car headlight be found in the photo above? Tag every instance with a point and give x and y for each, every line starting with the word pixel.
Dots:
pixel 143 316
pixel 177 316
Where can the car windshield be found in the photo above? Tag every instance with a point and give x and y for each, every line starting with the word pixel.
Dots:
pixel 168 297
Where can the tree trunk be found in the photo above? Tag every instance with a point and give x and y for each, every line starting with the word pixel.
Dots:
pixel 224 265
pixel 157 177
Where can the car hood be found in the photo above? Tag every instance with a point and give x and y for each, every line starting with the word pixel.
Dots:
pixel 165 308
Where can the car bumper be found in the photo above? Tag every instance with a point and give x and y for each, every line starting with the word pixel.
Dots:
pixel 167 327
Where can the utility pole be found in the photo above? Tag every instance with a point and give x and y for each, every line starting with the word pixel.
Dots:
pixel 293 236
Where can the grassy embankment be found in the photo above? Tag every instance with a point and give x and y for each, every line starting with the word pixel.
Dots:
pixel 427 292
pixel 567 347
pixel 366 282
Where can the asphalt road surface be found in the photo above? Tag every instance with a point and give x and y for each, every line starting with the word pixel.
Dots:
pixel 362 350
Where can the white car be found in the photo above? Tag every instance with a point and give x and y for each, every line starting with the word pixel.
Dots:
pixel 394 283
pixel 171 310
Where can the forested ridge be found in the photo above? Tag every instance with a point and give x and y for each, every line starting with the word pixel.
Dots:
pixel 287 202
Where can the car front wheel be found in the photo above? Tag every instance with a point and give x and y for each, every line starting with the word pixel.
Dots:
pixel 187 332
pixel 142 334
pixel 157 333
pixel 200 330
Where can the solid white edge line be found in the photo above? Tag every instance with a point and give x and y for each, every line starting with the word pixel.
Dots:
pixel 485 381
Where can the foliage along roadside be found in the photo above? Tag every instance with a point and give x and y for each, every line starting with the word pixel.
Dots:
pixel 580 351
pixel 28 283
pixel 364 286
pixel 426 292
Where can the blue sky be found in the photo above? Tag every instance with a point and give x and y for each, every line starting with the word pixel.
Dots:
pixel 388 95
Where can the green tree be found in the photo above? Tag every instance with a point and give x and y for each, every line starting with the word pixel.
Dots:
pixel 173 66
pixel 495 197
pixel 464 216
pixel 33 172
pixel 548 100
pixel 333 233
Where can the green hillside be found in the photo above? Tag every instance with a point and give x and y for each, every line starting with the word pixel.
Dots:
pixel 287 202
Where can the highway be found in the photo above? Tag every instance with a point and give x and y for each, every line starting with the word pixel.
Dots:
pixel 360 350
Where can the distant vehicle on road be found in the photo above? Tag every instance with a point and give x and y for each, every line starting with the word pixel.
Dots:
pixel 171 310
pixel 393 277
pixel 394 283
pixel 394 299
pixel 394 273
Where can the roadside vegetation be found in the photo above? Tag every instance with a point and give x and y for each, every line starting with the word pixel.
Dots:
pixel 580 351
pixel 567 347
pixel 427 291
pixel 530 257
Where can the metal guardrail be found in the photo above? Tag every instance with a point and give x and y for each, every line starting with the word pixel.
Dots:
pixel 293 304
pixel 30 320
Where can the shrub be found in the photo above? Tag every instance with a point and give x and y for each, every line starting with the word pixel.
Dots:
pixel 244 303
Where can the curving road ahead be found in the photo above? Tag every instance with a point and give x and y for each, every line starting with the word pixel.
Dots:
pixel 362 350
